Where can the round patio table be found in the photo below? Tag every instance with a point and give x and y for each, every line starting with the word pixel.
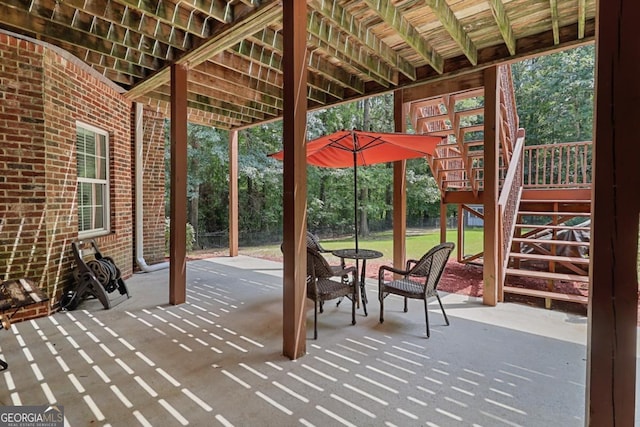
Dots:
pixel 364 255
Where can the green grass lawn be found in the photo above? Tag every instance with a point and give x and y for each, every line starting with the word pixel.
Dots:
pixel 419 241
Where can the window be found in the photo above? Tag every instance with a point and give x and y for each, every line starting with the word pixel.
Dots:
pixel 92 147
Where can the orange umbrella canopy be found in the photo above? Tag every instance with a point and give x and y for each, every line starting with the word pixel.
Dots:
pixel 346 148
pixel 358 148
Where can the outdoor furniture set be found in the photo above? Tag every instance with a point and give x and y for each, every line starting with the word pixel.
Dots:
pixel 326 282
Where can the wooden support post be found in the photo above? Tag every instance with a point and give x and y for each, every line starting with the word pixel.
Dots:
pixel 492 264
pixel 460 233
pixel 613 287
pixel 178 181
pixel 399 190
pixel 443 221
pixel 233 193
pixel 295 177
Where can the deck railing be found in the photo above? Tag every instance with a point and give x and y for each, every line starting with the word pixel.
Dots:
pixel 508 203
pixel 566 165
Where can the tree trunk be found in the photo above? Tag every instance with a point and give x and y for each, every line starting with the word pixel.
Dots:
pixel 364 220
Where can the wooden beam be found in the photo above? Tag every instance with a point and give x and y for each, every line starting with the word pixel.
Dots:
pixel 271 61
pixel 582 17
pixel 460 227
pixel 464 197
pixel 613 287
pixel 202 99
pixel 316 62
pixel 225 38
pixel 75 41
pixel 443 222
pixel 295 178
pixel 504 24
pixel 454 28
pixel 323 36
pixel 178 181
pixel 233 193
pixel 555 20
pixel 399 189
pixel 171 14
pixel 453 84
pixel 390 15
pixel 348 24
pixel 491 269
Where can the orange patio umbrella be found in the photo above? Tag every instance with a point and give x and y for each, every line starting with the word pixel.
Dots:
pixel 353 148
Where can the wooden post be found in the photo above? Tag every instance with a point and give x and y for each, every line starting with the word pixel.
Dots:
pixel 443 221
pixel 295 177
pixel 613 285
pixel 460 233
pixel 491 269
pixel 178 181
pixel 399 189
pixel 233 193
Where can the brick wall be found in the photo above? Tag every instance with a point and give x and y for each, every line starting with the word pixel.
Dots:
pixel 42 95
pixel 153 178
pixel 23 225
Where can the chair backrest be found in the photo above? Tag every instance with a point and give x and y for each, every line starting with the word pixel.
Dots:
pixel 317 265
pixel 432 264
pixel 313 242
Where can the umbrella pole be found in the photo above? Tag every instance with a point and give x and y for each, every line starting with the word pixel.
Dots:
pixel 355 196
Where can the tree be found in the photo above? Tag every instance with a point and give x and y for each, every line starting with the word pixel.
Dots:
pixel 554 96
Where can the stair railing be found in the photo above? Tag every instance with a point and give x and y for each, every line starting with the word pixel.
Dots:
pixel 508 204
pixel 562 165
pixel 512 146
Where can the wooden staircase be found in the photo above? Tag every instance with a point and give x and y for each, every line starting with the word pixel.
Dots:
pixel 544 190
pixel 545 246
pixel 457 163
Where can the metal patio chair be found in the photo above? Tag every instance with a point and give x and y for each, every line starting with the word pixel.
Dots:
pixel 325 283
pixel 418 281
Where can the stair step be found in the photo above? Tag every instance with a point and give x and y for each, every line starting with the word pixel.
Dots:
pixel 546 294
pixel 474 143
pixel 549 241
pixel 471 112
pixel 561 201
pixel 560 213
pixel 550 258
pixel 553 227
pixel 547 275
pixel 448 158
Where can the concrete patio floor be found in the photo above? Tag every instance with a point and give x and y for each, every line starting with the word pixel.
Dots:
pixel 217 360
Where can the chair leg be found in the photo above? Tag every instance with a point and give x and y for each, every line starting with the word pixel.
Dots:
pixel 353 308
pixel 381 298
pixel 405 305
pixel 426 316
pixel 446 319
pixel 315 319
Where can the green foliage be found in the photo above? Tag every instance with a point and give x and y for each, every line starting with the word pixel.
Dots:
pixel 554 96
pixel 191 235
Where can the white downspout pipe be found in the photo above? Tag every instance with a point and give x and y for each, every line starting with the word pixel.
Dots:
pixel 139 135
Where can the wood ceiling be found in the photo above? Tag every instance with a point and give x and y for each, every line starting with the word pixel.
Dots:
pixel 233 49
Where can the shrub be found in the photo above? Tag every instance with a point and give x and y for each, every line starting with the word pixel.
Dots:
pixel 191 235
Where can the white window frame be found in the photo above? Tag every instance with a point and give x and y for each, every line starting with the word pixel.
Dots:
pixel 106 199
